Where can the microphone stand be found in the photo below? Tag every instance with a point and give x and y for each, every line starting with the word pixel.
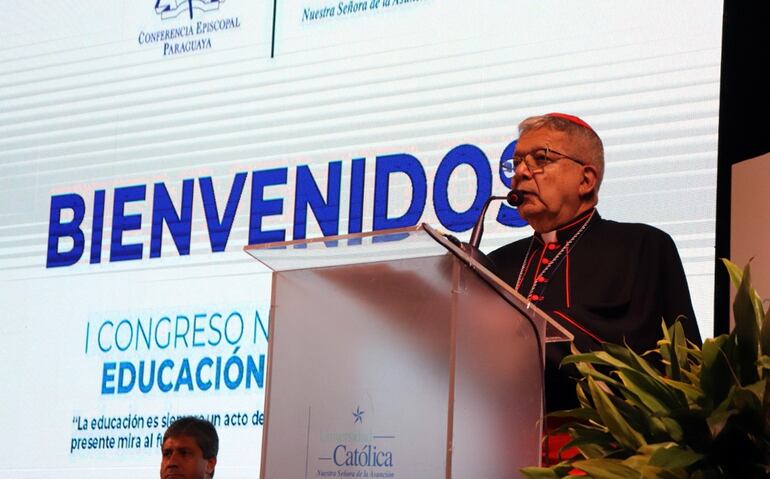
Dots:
pixel 514 198
pixel 478 228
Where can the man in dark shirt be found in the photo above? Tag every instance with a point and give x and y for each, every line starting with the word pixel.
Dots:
pixel 602 280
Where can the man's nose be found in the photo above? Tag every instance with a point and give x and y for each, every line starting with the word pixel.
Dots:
pixel 521 172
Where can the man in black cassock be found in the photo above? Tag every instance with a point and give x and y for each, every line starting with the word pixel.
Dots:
pixel 602 280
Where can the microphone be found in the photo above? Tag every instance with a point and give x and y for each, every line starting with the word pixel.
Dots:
pixel 514 198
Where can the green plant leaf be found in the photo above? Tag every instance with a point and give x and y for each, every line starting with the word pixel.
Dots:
pixel 607 382
pixel 695 431
pixel 581 391
pixel 580 430
pixel 637 462
pixel 735 272
pixel 673 428
pixel 642 462
pixel 717 420
pixel 606 469
pixel 764 362
pixel 653 393
pixel 582 413
pixel 673 350
pixel 593 448
pixel 694 394
pixel 590 450
pixel 652 472
pixel 663 429
pixel 680 347
pixel 758 388
pixel 764 335
pixel 586 370
pixel 695 353
pixel 649 370
pixel 625 355
pixel 637 415
pixel 747 321
pixel 704 419
pixel 611 417
pixel 596 357
pixel 693 377
pixel 671 455
pixel 539 473
pixel 738 277
pixel 750 397
pixel 716 377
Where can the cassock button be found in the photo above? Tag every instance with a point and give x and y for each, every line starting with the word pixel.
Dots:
pixel 545 261
pixel 535 297
pixel 541 279
pixel 552 246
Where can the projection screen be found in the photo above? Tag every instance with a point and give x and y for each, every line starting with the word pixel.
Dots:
pixel 144 143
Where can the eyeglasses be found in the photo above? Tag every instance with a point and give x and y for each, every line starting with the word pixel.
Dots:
pixel 535 160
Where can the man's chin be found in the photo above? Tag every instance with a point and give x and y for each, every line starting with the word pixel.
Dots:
pixel 529 210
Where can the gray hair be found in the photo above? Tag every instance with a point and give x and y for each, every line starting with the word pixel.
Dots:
pixel 575 130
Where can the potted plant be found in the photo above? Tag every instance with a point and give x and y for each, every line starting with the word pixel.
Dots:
pixel 707 416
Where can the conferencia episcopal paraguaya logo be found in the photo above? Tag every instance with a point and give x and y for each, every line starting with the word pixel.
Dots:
pixel 188 26
pixel 173 8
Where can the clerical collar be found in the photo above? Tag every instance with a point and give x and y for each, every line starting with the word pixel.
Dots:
pixel 568 230
pixel 551 256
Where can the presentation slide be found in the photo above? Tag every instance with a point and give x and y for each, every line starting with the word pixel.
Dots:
pixel 144 143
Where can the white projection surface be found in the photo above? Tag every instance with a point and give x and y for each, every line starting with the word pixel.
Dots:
pixel 144 143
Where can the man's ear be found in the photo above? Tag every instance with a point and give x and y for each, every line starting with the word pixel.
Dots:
pixel 211 463
pixel 589 181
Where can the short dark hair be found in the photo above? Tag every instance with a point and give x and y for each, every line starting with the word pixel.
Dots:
pixel 201 430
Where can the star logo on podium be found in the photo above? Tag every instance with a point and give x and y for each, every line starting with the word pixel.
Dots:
pixel 358 414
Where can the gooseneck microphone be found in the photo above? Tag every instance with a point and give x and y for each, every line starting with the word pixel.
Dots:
pixel 514 198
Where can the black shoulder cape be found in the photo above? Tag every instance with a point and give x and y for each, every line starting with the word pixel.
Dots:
pixel 615 282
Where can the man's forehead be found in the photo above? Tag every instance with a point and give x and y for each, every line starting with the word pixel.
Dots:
pixel 180 442
pixel 542 137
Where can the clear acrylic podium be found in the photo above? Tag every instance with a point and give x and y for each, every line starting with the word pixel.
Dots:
pixel 394 354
